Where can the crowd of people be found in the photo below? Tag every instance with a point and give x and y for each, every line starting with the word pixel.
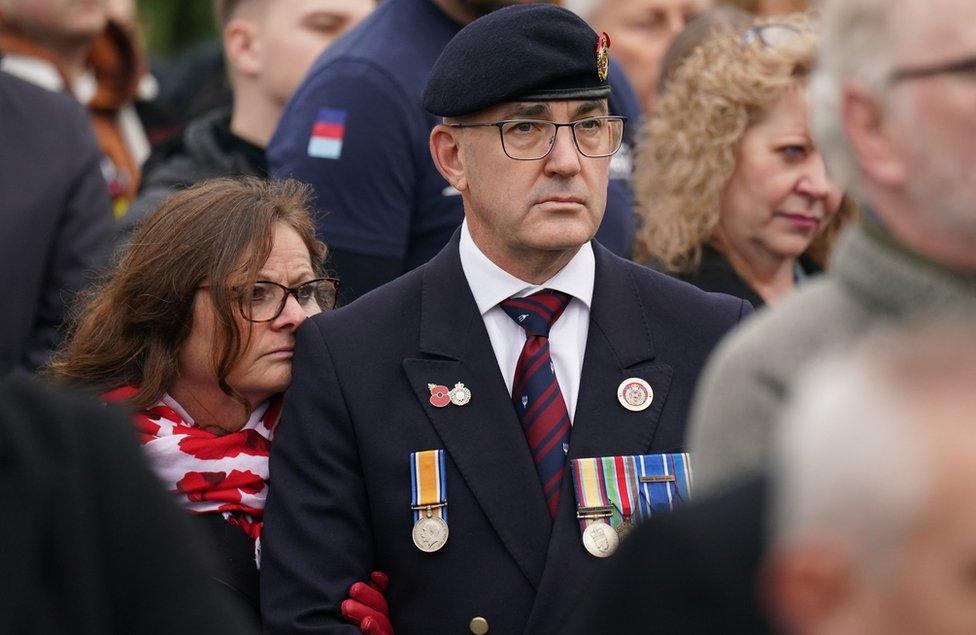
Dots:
pixel 674 297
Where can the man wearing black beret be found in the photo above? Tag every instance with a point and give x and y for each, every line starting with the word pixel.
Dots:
pixel 429 425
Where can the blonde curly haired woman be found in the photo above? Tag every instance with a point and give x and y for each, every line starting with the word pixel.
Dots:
pixel 733 194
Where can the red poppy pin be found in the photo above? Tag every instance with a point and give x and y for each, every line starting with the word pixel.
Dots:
pixel 603 56
pixel 440 396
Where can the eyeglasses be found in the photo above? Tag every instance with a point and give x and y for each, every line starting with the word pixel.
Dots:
pixel 266 300
pixel 965 66
pixel 534 139
pixel 771 35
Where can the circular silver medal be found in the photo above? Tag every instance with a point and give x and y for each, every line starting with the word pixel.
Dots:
pixel 429 533
pixel 600 539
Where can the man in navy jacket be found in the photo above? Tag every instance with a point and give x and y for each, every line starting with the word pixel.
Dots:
pixel 444 360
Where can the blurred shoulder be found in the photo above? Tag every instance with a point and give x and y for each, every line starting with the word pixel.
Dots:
pixel 777 339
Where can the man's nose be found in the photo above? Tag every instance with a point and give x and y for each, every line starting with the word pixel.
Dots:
pixel 564 158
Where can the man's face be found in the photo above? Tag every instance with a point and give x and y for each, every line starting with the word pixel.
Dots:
pixel 57 20
pixel 524 208
pixel 293 33
pixel 933 116
pixel 641 31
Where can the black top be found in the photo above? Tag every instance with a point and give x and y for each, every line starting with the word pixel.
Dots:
pixel 237 574
pixel 206 149
pixel 691 571
pixel 715 273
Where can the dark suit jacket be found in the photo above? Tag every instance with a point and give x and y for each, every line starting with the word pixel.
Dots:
pixel 55 217
pixel 689 572
pixel 359 404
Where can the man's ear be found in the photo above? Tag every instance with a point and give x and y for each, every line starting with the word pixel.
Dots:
pixel 445 149
pixel 804 589
pixel 867 127
pixel 242 46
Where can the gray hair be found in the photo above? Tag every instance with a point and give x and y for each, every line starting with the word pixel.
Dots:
pixel 858 39
pixel 852 460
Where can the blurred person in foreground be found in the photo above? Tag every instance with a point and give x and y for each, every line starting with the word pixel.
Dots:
pixel 268 46
pixel 55 218
pixel 356 130
pixel 892 109
pixel 733 194
pixel 72 46
pixel 537 327
pixel 873 504
pixel 195 329
pixel 863 525
pixel 91 543
pixel 641 30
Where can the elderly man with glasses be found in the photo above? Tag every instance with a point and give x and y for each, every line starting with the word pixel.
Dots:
pixel 892 107
pixel 431 425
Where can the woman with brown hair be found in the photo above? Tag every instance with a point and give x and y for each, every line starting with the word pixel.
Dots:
pixel 733 194
pixel 195 329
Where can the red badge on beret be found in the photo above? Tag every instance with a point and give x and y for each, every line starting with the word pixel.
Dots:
pixel 603 56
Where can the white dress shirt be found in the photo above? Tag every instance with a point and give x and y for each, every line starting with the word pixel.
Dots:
pixel 490 284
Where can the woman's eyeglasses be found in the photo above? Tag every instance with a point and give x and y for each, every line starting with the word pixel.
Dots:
pixel 265 300
pixel 771 35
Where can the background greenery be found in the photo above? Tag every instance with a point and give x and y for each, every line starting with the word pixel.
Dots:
pixel 172 25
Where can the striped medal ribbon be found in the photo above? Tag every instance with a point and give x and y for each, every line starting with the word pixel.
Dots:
pixel 665 482
pixel 620 476
pixel 594 509
pixel 428 485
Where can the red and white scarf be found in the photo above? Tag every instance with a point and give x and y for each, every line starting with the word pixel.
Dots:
pixel 210 473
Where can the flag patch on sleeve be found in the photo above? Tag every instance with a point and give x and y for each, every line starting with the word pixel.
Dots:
pixel 327 134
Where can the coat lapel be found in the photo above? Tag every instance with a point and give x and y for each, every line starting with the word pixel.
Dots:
pixel 619 345
pixel 484 438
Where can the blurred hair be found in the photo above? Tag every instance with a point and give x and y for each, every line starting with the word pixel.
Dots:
pixel 851 458
pixel 702 27
pixel 687 147
pixel 128 330
pixel 858 41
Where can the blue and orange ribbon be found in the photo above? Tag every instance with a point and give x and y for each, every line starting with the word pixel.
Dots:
pixel 428 483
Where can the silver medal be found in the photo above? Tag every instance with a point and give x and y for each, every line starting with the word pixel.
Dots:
pixel 429 533
pixel 600 539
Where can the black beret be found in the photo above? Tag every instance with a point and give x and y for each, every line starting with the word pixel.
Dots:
pixel 535 52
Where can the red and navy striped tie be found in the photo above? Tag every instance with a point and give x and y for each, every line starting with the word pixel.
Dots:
pixel 535 392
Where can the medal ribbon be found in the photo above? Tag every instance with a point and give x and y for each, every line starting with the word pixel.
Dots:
pixel 590 485
pixel 428 483
pixel 620 473
pixel 663 495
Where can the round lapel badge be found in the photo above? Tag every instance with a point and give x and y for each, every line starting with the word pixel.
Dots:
pixel 635 394
pixel 460 395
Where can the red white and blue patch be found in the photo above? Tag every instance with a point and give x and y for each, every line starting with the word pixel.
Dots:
pixel 327 134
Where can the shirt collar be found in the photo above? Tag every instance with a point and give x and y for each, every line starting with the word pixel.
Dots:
pixel 490 284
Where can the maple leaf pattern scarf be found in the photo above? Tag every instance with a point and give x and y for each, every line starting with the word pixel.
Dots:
pixel 210 473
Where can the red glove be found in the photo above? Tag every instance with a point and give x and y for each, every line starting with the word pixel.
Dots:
pixel 366 606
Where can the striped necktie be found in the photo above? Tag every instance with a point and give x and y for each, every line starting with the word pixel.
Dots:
pixel 535 392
